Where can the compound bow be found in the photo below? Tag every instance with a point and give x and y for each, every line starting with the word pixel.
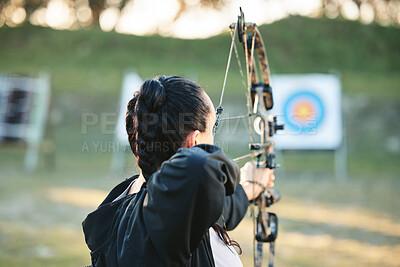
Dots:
pixel 259 101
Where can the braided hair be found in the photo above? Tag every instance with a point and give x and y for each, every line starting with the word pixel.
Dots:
pixel 160 116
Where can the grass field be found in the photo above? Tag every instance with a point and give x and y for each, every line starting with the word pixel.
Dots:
pixel 322 222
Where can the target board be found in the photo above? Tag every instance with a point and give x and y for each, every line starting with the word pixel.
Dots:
pixel 24 110
pixel 310 107
pixel 16 94
pixel 130 86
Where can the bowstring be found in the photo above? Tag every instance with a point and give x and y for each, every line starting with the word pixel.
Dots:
pixel 248 96
pixel 237 117
pixel 220 108
pixel 239 64
pixel 228 65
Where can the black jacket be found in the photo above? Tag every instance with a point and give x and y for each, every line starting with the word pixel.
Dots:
pixel 166 223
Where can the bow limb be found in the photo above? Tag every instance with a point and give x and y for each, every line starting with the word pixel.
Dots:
pixel 259 89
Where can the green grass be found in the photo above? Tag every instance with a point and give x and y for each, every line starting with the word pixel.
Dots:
pixel 321 222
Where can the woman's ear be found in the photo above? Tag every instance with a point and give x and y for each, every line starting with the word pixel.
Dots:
pixel 192 139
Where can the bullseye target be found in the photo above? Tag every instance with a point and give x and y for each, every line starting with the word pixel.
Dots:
pixel 304 111
pixel 310 107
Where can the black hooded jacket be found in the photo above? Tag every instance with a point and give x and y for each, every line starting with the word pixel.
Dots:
pixel 166 223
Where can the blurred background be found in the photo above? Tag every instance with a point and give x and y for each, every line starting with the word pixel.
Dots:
pixel 56 165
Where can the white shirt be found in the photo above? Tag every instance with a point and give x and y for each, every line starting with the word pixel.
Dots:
pixel 136 186
pixel 224 255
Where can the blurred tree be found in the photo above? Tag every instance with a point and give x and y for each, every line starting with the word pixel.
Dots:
pixel 97 6
pixel 385 12
pixel 32 5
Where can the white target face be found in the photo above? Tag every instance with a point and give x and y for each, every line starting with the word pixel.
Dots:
pixel 310 107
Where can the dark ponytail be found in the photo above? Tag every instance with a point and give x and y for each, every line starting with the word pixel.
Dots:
pixel 160 116
pixel 158 119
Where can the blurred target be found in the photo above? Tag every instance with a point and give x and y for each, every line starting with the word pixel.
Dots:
pixel 304 112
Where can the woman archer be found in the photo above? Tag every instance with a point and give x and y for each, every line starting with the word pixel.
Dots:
pixel 177 210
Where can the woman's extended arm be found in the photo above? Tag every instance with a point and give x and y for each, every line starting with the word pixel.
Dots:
pixel 253 182
pixel 234 210
pixel 185 198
